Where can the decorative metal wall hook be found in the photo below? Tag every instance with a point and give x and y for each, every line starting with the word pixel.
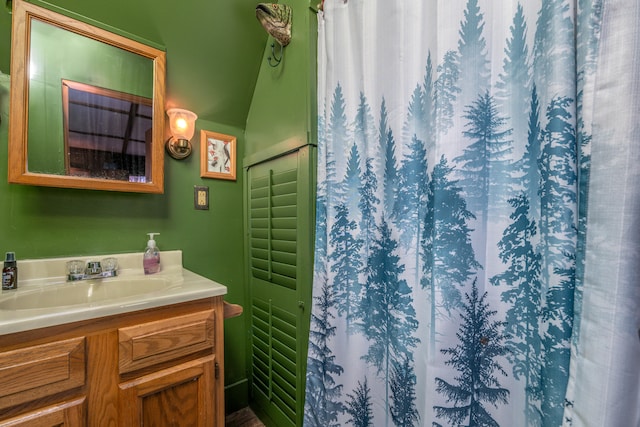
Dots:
pixel 276 59
pixel 276 20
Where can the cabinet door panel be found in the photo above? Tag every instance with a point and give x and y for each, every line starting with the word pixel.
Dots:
pixel 176 405
pixel 67 414
pixel 178 396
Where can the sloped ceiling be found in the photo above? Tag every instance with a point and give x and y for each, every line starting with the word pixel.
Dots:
pixel 214 47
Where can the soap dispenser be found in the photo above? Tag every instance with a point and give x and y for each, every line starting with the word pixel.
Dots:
pixel 151 257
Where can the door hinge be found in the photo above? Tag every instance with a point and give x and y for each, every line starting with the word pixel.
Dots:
pixel 217 370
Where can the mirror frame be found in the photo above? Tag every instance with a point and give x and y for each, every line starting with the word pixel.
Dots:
pixel 23 13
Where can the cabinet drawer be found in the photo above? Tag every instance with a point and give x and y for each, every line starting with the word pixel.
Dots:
pixel 151 343
pixel 34 372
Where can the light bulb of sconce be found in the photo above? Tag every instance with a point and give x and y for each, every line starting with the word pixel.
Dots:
pixel 182 123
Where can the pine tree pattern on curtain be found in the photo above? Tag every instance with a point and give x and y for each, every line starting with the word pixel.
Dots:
pixel 453 163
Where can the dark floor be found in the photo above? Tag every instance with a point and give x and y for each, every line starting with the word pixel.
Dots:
pixel 243 418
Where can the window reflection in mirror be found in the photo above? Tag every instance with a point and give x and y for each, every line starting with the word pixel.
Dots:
pixel 107 133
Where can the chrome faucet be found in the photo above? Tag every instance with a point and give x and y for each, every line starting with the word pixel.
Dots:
pixel 76 270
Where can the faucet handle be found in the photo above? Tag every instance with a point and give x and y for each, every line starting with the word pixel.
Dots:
pixel 109 264
pixel 93 267
pixel 75 269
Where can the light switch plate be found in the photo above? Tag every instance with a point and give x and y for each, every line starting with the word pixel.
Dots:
pixel 201 197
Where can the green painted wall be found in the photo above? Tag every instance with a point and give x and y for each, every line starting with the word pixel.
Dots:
pixel 39 222
pixel 284 101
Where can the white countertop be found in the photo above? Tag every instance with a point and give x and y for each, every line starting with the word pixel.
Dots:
pixel 48 277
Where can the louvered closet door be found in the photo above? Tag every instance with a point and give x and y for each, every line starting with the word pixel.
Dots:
pixel 280 260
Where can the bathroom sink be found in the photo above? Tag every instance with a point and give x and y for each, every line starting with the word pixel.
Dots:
pixel 45 298
pixel 85 292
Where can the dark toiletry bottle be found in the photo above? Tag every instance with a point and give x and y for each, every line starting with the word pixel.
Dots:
pixel 10 272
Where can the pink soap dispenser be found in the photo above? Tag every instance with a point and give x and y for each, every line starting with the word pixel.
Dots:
pixel 151 257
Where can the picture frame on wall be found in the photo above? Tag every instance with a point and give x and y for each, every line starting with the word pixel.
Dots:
pixel 217 155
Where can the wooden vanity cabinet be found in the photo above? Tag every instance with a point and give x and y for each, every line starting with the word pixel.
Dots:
pixel 162 367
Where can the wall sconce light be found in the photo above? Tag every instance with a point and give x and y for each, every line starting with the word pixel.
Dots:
pixel 182 124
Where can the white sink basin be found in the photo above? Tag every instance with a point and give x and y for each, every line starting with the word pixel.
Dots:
pixel 44 297
pixel 85 292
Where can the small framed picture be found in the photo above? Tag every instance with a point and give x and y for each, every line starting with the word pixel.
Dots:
pixel 217 155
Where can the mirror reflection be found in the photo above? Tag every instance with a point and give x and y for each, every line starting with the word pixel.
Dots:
pixel 93 106
pixel 117 149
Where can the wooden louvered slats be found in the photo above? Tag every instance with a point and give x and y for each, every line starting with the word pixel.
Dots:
pixel 273 227
pixel 274 355
pixel 279 247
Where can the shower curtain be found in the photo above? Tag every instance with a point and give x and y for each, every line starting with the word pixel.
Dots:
pixel 477 250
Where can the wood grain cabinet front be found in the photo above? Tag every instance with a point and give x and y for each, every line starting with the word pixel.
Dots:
pixel 150 343
pixel 182 395
pixel 70 413
pixel 35 372
pixel 158 367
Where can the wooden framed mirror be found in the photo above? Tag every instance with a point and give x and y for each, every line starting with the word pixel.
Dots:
pixel 87 106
